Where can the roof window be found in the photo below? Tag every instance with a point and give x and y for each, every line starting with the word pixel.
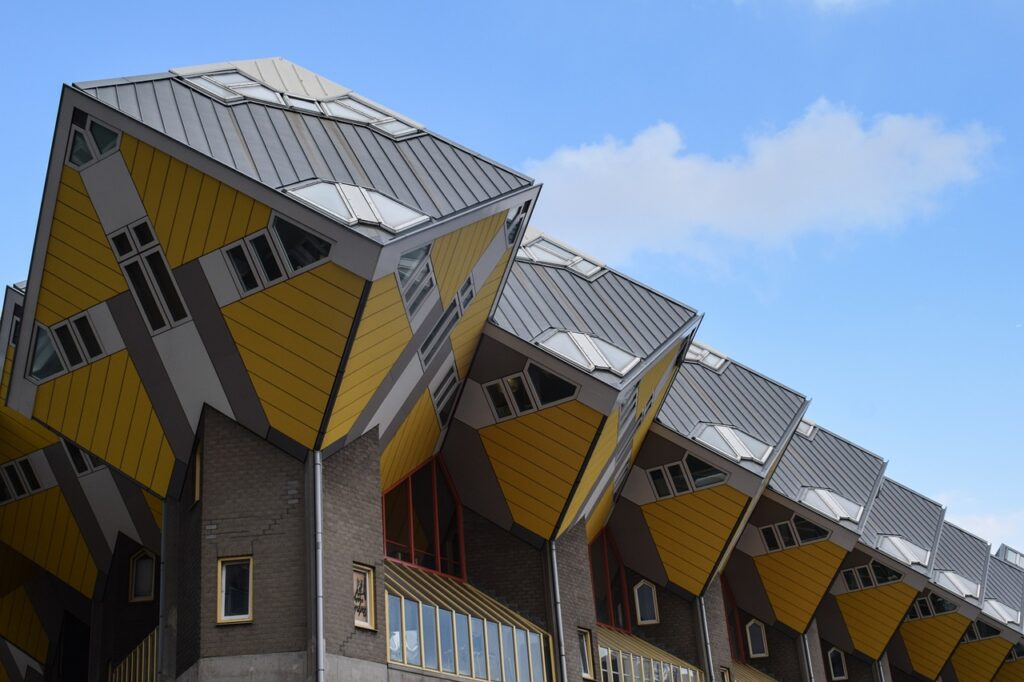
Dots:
pixel 238 85
pixel 589 352
pixel 90 141
pixel 351 204
pixel 351 109
pixel 904 550
pixel 732 442
pixel 806 428
pixel 958 584
pixel 1002 612
pixel 543 250
pixel 832 504
pixel 705 356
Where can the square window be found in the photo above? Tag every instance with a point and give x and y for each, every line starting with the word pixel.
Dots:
pixel 234 590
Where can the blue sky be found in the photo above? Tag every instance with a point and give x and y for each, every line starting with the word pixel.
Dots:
pixel 835 183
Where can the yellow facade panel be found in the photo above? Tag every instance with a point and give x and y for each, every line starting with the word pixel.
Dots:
pixel 931 641
pixel 466 335
pixel 454 255
pixel 654 386
pixel 412 444
pixel 41 528
pixel 602 511
pixel 980 660
pixel 18 436
pixel 691 531
pixel 796 579
pixel 382 335
pixel 20 625
pixel 1012 671
pixel 599 457
pixel 873 615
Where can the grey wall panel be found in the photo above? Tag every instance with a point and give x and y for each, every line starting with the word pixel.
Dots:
pixel 113 193
pixel 901 511
pixel 191 371
pixel 637 547
pixel 962 552
pixel 96 510
pixel 1005 582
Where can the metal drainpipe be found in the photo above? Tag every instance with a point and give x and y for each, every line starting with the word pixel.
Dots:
pixel 807 657
pixel 557 594
pixel 162 618
pixel 318 562
pixel 702 613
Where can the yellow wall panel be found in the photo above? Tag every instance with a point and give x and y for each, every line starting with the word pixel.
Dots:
pixel 156 507
pixel 602 452
pixel 291 337
pixel 18 435
pixel 466 333
pixel 412 444
pixel 20 625
pixel 691 531
pixel 104 408
pixel 454 255
pixel 873 615
pixel 796 580
pixel 41 528
pixel 537 458
pixel 191 212
pixel 654 385
pixel 931 641
pixel 602 511
pixel 382 335
pixel 978 661
pixel 79 270
pixel 1011 672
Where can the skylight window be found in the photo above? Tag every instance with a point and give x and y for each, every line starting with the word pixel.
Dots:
pixel 351 204
pixel 904 550
pixel 543 250
pixel 351 109
pixel 832 504
pixel 589 352
pixel 806 428
pixel 1002 612
pixel 705 356
pixel 958 584
pixel 244 86
pixel 732 442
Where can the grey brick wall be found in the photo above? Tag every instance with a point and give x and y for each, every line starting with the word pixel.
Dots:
pixel 577 593
pixel 677 631
pixel 718 625
pixel 858 669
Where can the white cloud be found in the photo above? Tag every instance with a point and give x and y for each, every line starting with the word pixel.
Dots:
pixel 827 171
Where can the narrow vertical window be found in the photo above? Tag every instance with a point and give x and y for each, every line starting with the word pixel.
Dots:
pixel 837 664
pixel 645 596
pixel 243 270
pixel 429 637
pixel 757 639
pixel 88 337
pixel 586 654
pixel 499 401
pixel 463 658
pixel 493 652
pixel 267 259
pixel 234 603
pixel 165 283
pixel 479 649
pixel 68 344
pixel 17 485
pixel 395 628
pixel 142 577
pixel 301 247
pixel 363 596
pixel 446 632
pixel 140 285
pixel 412 632
pixel 30 475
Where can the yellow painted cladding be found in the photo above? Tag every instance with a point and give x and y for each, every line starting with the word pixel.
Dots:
pixel 382 335
pixel 872 615
pixel 466 334
pixel 931 641
pixel 412 444
pixel 79 270
pixel 603 450
pixel 291 337
pixel 537 458
pixel 156 507
pixel 796 579
pixel 191 212
pixel 42 528
pixel 18 436
pixel 20 625
pixel 979 661
pixel 1011 672
pixel 454 255
pixel 654 386
pixel 602 511
pixel 105 409
pixel 691 531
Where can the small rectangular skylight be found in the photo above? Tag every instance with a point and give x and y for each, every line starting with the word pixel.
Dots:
pixel 700 353
pixel 352 204
pixel 904 550
pixel 589 352
pixel 543 250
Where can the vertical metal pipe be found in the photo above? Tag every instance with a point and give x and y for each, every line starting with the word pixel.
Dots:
pixel 705 634
pixel 806 649
pixel 556 593
pixel 318 563
pixel 162 618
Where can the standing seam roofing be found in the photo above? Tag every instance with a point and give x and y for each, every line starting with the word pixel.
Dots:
pixel 1005 583
pixel 901 511
pixel 962 552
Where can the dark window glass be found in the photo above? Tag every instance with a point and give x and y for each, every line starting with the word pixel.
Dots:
pixel 105 138
pixel 301 247
pixel 5 493
pixel 410 531
pixel 165 284
pixel 498 400
pixel 940 605
pixel 986 631
pixel 123 244
pixel 80 153
pixel 609 576
pixel 240 262
pixel 416 292
pixel 68 344
pixel 771 542
pixel 922 607
pixel 29 474
pixel 429 637
pixel 143 233
pixel 15 480
pixel 884 574
pixel 423 530
pixel 144 570
pixel 659 483
pixel 447 632
pixel 549 387
pixel 449 525
pixel 584 654
pixel 409 261
pixel 756 639
pixel 145 295
pixel 396 515
pixel 88 336
pixel 679 482
pixel 866 578
pixel 439 334
pixel 45 361
pixel 236 589
pixel 807 531
pixel 851 580
pixel 15 331
pixel 786 535
pixel 646 603
pixel 395 628
pixel 78 460
pixel 520 394
pixel 268 261
pixel 703 475
pixel 837 664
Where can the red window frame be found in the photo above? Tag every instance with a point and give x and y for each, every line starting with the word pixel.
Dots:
pixel 605 544
pixel 437 466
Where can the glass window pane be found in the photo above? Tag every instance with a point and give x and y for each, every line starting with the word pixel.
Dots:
pixel 361 596
pixel 396 520
pixel 15 480
pixel 429 637
pixel 123 244
pixel 213 88
pixel 851 580
pixel 786 535
pixel 807 531
pixel 604 655
pixel 646 602
pixel 396 128
pixel 771 542
pixel 265 254
pixel 236 589
pixel 395 215
pixel 325 195
pixel 508 653
pixel 659 482
pixel 755 638
pixel 412 632
pixel 78 460
pixel 656 670
pixel 614 662
pixel 493 652
pixel 259 92
pixel 618 359
pixel 417 290
pixel 339 110
pixel 424 538
pixel 446 629
pixel 463 644
pixel 30 475
pixel 498 400
pixel 88 336
pixel 409 261
pixel 479 649
pixel 585 662
pixel 105 138
pixel 68 344
pixel 550 388
pixel 522 656
pixel 144 573
pixel 231 78
pixel 80 153
pixel 301 247
pixel 638 668
pixel 240 264
pixel 303 104
pixel 679 482
pixel 884 574
pixel 395 628
pixel 45 361
pixel 5 493
pixel 537 659
pixel 364 109
pixel 562 344
pixel 521 396
pixel 866 579
pixel 165 283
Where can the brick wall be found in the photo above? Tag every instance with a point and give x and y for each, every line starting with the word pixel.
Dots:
pixel 718 625
pixel 125 623
pixel 577 594
pixel 677 631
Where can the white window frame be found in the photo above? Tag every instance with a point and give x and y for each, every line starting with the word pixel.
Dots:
pixel 275 250
pixel 221 565
pixel 774 533
pixel 63 352
pixel 517 214
pixel 701 354
pixel 540 405
pixel 754 622
pixel 91 143
pixel 460 295
pixel 275 239
pixel 500 383
pixel 443 331
pixel 831 667
pixel 81 342
pixel 409 294
pixel 792 530
pixel 445 388
pixel 32 354
pixel 636 602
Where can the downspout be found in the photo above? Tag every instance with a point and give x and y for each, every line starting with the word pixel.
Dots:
pixel 806 649
pixel 557 596
pixel 318 564
pixel 705 633
pixel 162 618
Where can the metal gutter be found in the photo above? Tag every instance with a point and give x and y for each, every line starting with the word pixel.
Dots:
pixel 556 595
pixel 705 635
pixel 320 643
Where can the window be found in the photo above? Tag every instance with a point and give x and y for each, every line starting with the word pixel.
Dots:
pixel 68 344
pixel 549 388
pixel 836 664
pixel 771 540
pixel 363 596
pixel 979 630
pixel 883 574
pixel 87 335
pixel 832 504
pixel 514 222
pixel 232 86
pixel 1016 653
pixel 1010 554
pixel 302 248
pixel 546 251
pixel 18 479
pixel 423 521
pixel 808 532
pixel 444 396
pixel 705 356
pixel 82 462
pixel 355 111
pixel 142 576
pixel 609 578
pixel 757 639
pixel 787 534
pixel 724 675
pixel 149 277
pixel 678 478
pixel 244 256
pixel 439 334
pixel 929 605
pixel 234 590
pixel 515 395
pixel 498 399
pixel 45 361
pixel 245 276
pixel 589 352
pixel 675 479
pixel 350 205
pixel 625 666
pixel 586 654
pixel 732 442
pixel 806 428
pixel 703 475
pixel 645 596
pixel 90 141
pixel 415 277
pixel 466 294
pixel 16 324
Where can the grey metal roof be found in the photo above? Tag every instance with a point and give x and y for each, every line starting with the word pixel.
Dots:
pixel 1005 583
pixel 280 146
pixel 826 460
pixel 611 307
pixel 735 396
pixel 900 511
pixel 962 552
